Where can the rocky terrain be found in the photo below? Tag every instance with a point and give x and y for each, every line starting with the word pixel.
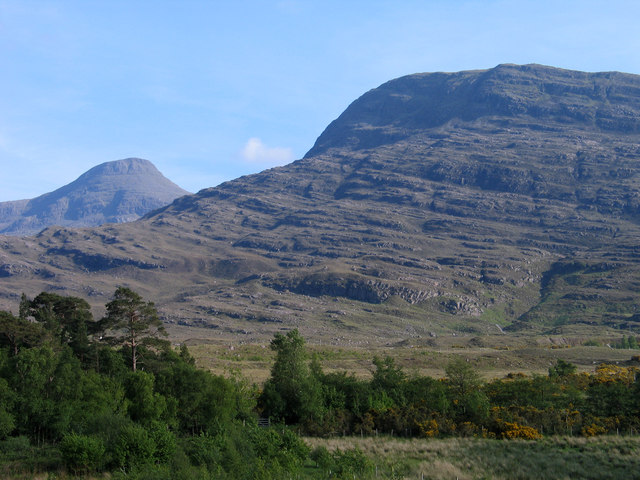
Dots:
pixel 113 192
pixel 492 201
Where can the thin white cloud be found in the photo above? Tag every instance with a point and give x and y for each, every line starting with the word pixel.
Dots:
pixel 256 152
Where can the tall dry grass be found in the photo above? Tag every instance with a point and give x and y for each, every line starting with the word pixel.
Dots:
pixel 555 458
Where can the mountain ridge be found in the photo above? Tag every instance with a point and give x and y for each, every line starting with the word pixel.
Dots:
pixel 481 95
pixel 400 222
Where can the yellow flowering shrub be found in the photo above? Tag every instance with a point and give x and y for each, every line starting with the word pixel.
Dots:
pixel 606 373
pixel 593 430
pixel 429 428
pixel 515 430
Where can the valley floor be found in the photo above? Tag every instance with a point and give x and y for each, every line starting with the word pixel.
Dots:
pixel 495 357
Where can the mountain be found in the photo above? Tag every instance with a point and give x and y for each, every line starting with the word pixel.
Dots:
pixel 113 192
pixel 470 203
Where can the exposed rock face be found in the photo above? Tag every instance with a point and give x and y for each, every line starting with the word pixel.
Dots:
pixel 607 101
pixel 353 287
pixel 113 192
pixel 507 196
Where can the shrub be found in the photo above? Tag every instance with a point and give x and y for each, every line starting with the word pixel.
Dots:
pixel 593 430
pixel 205 450
pixel 82 453
pixel 7 423
pixel 322 457
pixel 134 447
pixel 165 441
pixel 513 430
pixel 429 428
pixel 293 451
pixel 351 463
pixel 14 448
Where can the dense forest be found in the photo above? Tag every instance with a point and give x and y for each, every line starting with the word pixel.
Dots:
pixel 112 395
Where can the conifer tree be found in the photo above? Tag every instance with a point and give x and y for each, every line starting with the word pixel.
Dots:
pixel 132 320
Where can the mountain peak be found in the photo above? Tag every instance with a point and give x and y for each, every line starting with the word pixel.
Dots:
pixel 112 192
pixel 127 166
pixel 401 107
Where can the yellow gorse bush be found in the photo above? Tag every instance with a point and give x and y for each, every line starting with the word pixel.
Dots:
pixel 515 430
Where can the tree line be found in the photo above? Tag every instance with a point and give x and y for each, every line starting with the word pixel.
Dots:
pixel 563 402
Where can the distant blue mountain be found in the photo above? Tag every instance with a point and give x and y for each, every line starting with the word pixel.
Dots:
pixel 113 192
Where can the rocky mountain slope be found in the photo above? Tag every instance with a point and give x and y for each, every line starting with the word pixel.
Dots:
pixel 471 202
pixel 113 192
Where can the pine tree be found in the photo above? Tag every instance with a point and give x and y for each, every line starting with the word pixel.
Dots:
pixel 132 320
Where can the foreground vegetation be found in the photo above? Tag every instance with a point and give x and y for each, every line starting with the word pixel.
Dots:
pixel 478 458
pixel 90 398
pixel 86 397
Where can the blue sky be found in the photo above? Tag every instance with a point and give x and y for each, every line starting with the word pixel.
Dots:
pixel 212 90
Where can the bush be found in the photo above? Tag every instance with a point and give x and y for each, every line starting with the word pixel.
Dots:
pixel 82 453
pixel 511 430
pixel 7 423
pixel 347 464
pixel 15 448
pixel 134 447
pixel 351 463
pixel 322 457
pixel 165 441
pixel 293 451
pixel 204 451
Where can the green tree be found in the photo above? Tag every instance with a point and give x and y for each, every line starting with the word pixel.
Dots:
pixel 609 399
pixel 351 463
pixel 464 386
pixel 132 321
pixel 389 379
pixel 16 332
pixel 342 391
pixel 7 401
pixel 145 405
pixel 32 379
pixel 562 368
pixel 291 393
pixel 46 383
pixel 427 391
pixel 134 447
pixel 67 318
pixel 203 402
pixel 100 396
pixel 462 378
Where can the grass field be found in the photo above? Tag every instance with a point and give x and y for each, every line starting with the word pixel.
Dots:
pixel 474 458
pixel 493 357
